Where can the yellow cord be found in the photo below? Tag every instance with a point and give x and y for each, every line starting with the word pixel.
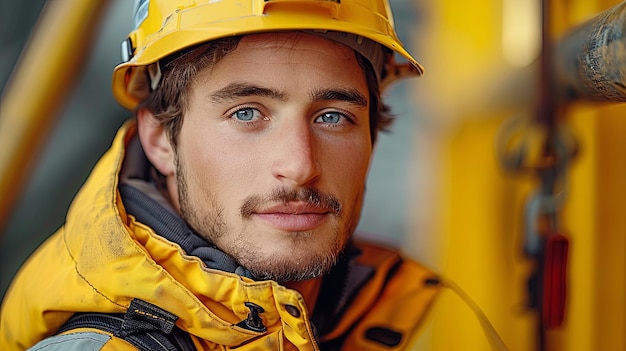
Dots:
pixel 496 342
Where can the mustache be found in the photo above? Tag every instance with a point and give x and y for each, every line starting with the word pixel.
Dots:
pixel 310 196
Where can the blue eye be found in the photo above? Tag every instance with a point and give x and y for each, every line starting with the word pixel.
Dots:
pixel 331 117
pixel 245 114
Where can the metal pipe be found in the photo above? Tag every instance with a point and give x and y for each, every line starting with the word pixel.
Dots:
pixel 590 60
pixel 38 89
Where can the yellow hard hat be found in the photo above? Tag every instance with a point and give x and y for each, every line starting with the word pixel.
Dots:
pixel 163 27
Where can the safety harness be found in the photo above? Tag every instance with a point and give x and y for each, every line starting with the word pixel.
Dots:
pixel 145 326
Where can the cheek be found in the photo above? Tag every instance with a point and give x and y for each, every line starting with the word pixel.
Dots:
pixel 350 166
pixel 216 167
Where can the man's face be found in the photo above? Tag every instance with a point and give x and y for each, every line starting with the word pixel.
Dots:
pixel 274 151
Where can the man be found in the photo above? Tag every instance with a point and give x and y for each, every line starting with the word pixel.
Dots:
pixel 222 216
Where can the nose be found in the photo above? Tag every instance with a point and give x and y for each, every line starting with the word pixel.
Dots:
pixel 295 158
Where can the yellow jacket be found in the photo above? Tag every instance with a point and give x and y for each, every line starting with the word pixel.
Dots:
pixel 102 258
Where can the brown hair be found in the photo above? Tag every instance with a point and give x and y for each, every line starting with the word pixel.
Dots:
pixel 169 102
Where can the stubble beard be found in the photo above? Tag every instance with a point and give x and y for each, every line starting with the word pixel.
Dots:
pixel 281 268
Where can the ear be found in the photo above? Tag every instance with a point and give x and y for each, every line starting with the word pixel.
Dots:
pixel 155 142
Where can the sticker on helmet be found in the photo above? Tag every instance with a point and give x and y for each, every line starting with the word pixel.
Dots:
pixel 141 12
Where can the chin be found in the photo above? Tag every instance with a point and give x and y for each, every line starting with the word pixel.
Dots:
pixel 288 271
pixel 293 262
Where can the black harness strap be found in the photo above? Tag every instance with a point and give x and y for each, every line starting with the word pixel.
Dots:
pixel 145 326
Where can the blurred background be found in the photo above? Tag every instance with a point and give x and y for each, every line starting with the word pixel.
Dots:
pixel 458 184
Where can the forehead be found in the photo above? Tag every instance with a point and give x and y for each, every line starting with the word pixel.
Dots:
pixel 291 48
pixel 262 56
pixel 293 40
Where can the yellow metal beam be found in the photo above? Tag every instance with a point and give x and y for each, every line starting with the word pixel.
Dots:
pixel 481 208
pixel 38 89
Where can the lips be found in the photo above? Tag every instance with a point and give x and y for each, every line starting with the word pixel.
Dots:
pixel 294 217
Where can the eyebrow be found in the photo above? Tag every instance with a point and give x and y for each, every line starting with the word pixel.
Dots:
pixel 239 89
pixel 349 95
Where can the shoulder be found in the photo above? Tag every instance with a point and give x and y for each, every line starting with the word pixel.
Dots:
pixel 81 341
pixel 392 306
pixel 381 256
pixel 390 263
